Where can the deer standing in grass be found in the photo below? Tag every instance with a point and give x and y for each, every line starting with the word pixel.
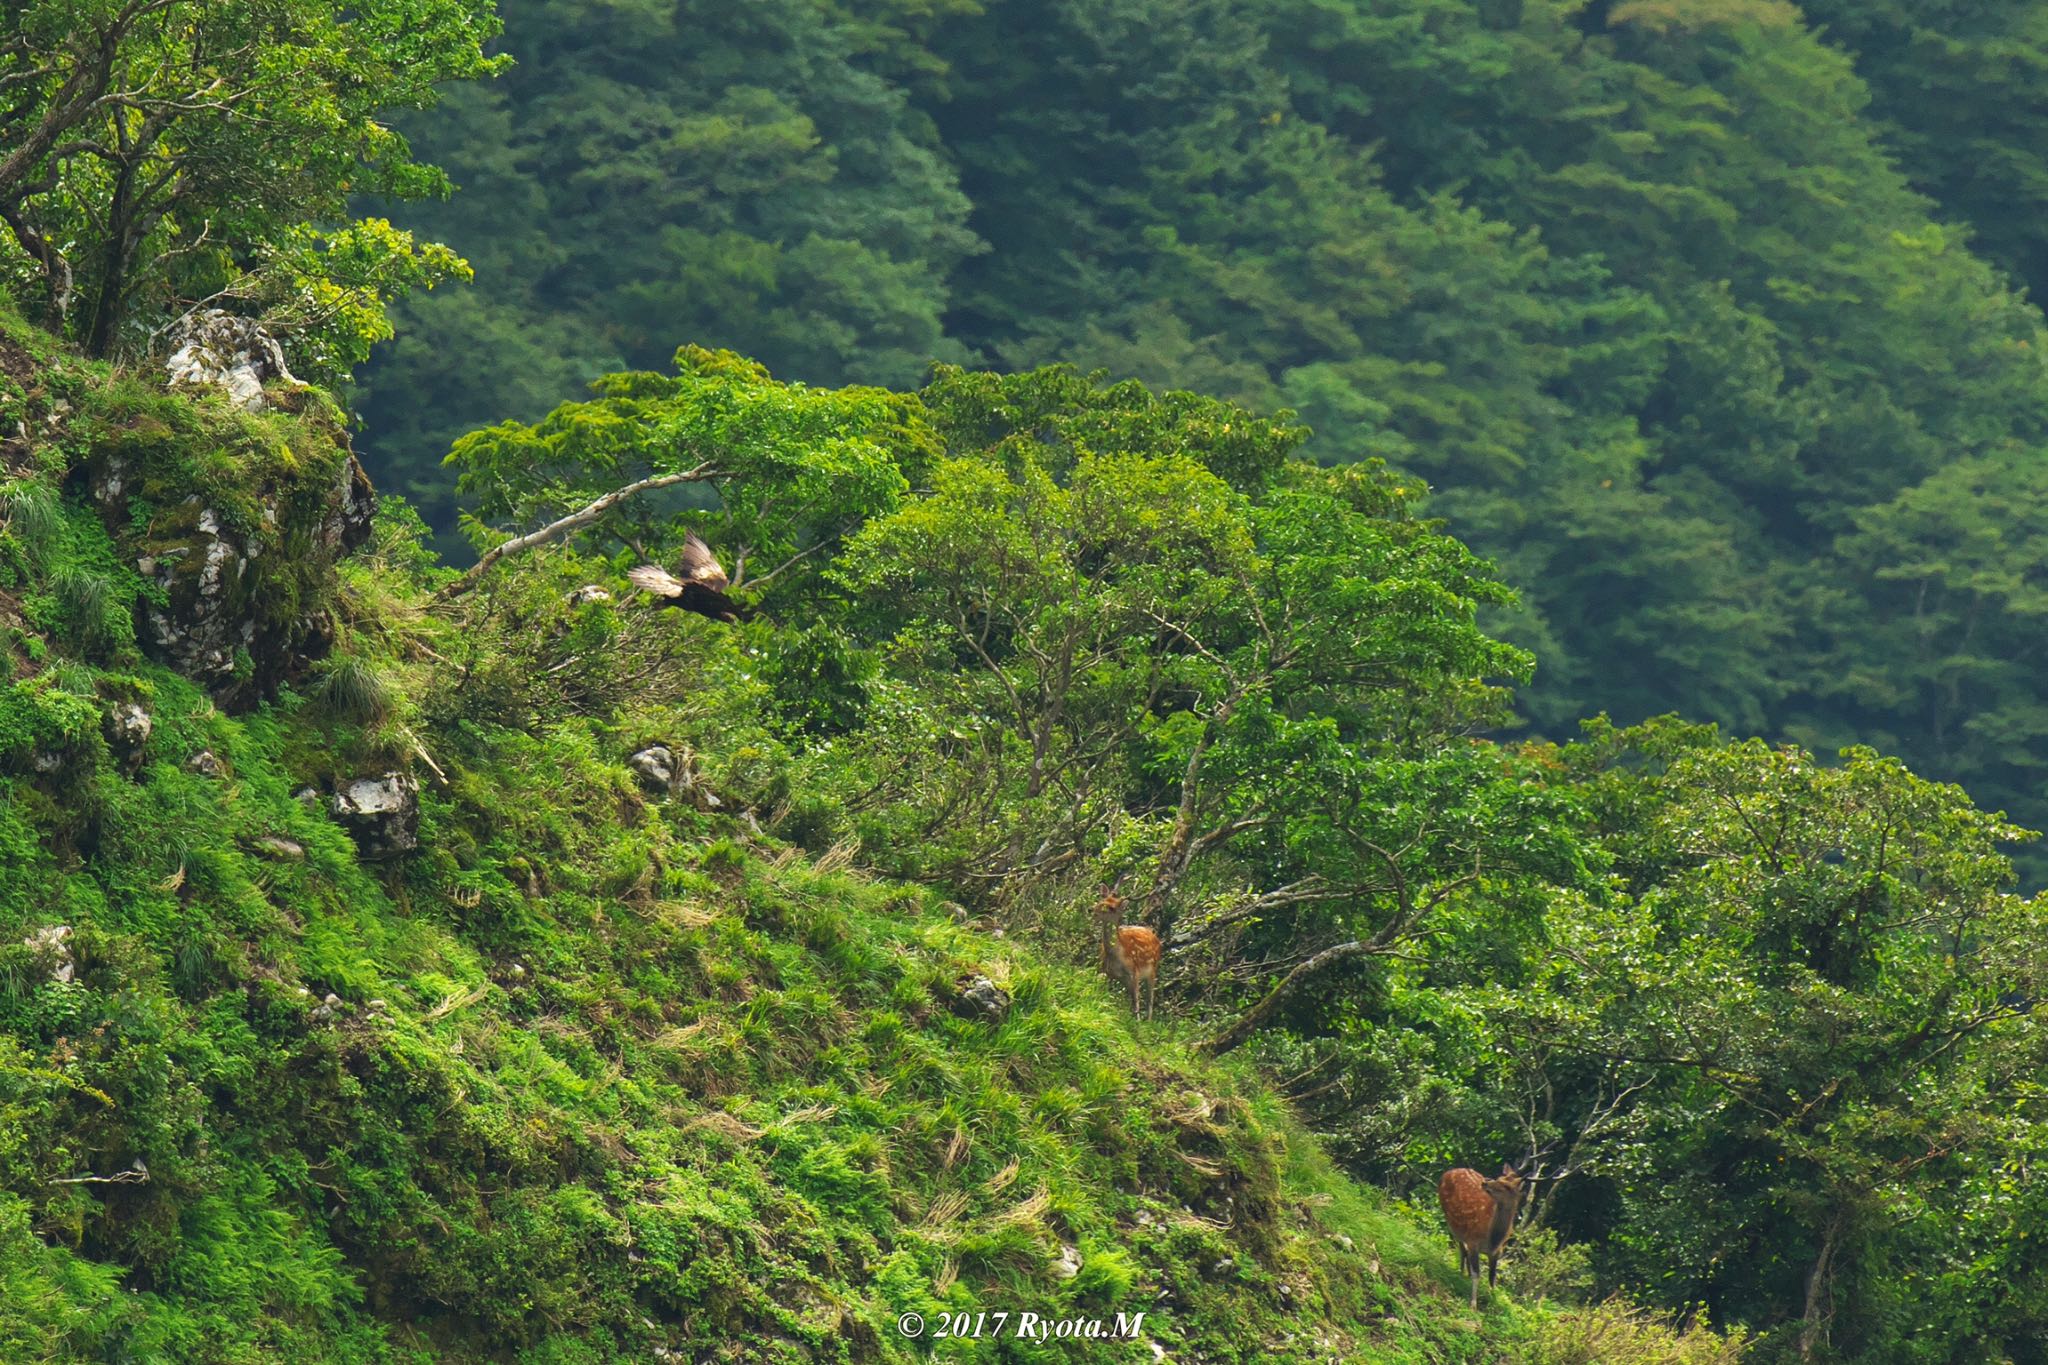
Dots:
pixel 1130 953
pixel 1481 1213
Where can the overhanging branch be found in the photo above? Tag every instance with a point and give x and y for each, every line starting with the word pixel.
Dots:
pixel 576 520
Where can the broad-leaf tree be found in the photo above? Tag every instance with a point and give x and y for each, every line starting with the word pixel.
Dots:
pixel 179 151
pixel 782 471
pixel 1795 1052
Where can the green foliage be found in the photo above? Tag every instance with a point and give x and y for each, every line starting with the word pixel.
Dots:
pixel 1648 293
pixel 790 469
pixel 41 716
pixel 53 1306
pixel 1790 1038
pixel 1958 88
pixel 161 153
pixel 353 690
pixel 1102 655
pixel 33 522
pixel 601 1071
pixel 753 178
pixel 1774 908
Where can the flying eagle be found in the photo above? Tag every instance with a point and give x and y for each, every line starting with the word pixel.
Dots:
pixel 698 584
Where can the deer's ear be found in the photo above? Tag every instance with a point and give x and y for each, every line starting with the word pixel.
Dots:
pixel 1507 1168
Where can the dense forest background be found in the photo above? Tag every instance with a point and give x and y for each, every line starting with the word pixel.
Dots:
pixel 1231 453
pixel 1707 319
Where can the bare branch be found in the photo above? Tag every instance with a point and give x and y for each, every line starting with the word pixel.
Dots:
pixel 576 520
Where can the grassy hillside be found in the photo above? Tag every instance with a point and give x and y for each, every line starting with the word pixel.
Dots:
pixel 584 1068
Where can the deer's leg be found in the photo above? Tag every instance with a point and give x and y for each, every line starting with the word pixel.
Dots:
pixel 1493 1270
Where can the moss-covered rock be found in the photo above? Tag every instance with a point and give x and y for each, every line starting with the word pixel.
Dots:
pixel 234 522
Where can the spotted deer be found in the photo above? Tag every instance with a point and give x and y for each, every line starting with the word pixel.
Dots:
pixel 1481 1213
pixel 1130 953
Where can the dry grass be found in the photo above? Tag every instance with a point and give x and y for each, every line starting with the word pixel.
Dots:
pixel 729 1126
pixel 1025 1211
pixel 840 856
pixel 456 1001
pixel 944 1209
pixel 1613 1333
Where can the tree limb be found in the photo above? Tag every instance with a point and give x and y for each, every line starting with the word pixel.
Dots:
pixel 582 517
pixel 1254 1018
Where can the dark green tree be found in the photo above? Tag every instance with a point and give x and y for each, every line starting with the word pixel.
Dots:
pixel 750 177
pixel 186 152
pixel 1961 87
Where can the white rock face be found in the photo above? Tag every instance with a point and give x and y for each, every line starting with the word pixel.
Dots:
pixel 50 944
pixel 127 727
pixel 216 349
pixel 655 766
pixel 383 813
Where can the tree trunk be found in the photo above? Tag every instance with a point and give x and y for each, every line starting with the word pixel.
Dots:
pixel 1254 1018
pixel 56 269
pixel 126 215
pixel 1181 845
pixel 1819 1282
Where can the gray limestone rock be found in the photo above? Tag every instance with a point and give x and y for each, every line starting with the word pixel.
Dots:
pixel 217 349
pixel 977 997
pixel 656 768
pixel 52 947
pixel 127 728
pixel 382 813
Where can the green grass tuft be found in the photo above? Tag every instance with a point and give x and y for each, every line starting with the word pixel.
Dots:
pixel 29 513
pixel 352 689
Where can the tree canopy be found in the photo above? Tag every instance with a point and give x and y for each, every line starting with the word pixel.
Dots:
pixel 190 153
pixel 1687 313
pixel 1765 1029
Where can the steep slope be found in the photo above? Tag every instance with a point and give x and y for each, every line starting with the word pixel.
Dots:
pixel 380 1005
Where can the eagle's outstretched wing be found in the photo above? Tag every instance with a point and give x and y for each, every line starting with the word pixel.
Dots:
pixel 652 578
pixel 699 565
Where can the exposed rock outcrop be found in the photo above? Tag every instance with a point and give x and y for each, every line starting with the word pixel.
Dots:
pixel 977 997
pixel 52 948
pixel 655 766
pixel 216 349
pixel 382 813
pixel 127 728
pixel 665 770
pixel 237 581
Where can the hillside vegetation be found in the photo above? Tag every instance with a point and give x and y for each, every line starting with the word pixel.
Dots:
pixel 585 1068
pixel 409 957
pixel 1690 312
